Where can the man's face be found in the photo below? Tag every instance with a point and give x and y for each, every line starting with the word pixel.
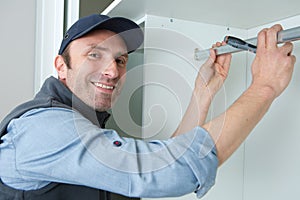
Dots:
pixel 97 68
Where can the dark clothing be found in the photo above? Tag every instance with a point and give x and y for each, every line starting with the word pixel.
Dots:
pixel 54 94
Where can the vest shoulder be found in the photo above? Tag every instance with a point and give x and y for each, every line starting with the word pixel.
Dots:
pixel 29 105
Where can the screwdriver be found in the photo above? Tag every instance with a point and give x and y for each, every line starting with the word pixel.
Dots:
pixel 239 44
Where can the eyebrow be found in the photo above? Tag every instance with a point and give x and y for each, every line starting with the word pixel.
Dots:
pixel 95 46
pixel 101 48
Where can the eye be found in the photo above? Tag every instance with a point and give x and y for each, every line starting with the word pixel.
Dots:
pixel 121 61
pixel 94 55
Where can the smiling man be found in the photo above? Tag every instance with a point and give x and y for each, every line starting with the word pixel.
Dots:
pixel 97 86
pixel 56 147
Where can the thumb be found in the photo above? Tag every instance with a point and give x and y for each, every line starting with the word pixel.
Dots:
pixel 211 59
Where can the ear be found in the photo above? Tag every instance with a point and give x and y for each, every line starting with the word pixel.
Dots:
pixel 60 67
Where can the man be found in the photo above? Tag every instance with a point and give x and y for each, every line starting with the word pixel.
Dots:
pixel 56 147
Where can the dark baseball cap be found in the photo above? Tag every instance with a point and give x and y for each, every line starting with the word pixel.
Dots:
pixel 130 32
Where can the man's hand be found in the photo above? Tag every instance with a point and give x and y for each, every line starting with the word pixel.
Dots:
pixel 213 72
pixel 273 66
pixel 210 78
pixel 271 71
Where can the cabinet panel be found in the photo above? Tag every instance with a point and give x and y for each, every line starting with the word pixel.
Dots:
pixel 169 74
pixel 272 151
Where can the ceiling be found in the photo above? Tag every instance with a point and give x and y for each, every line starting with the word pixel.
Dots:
pixel 243 14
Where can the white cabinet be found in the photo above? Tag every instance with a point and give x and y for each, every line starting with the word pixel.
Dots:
pixel 267 165
pixel 169 73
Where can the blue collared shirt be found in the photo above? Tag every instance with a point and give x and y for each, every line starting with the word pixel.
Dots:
pixel 59 145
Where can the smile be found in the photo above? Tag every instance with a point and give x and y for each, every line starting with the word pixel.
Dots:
pixel 108 87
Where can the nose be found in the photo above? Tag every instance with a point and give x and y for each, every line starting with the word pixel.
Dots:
pixel 111 70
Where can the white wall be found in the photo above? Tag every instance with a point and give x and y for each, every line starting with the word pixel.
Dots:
pixel 272 162
pixel 267 165
pixel 17 52
pixel 169 74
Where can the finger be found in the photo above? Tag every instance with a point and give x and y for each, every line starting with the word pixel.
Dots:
pixel 272 36
pixel 227 61
pixel 212 55
pixel 228 56
pixel 287 48
pixel 221 58
pixel 211 59
pixel 261 39
pixel 217 44
pixel 293 59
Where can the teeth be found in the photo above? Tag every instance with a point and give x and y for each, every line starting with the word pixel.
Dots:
pixel 104 86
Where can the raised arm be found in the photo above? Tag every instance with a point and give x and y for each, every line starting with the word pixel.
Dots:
pixel 271 73
pixel 210 78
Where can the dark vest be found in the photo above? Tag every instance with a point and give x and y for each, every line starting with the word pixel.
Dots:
pixel 54 94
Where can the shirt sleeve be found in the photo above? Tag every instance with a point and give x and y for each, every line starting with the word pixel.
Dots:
pixel 59 145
